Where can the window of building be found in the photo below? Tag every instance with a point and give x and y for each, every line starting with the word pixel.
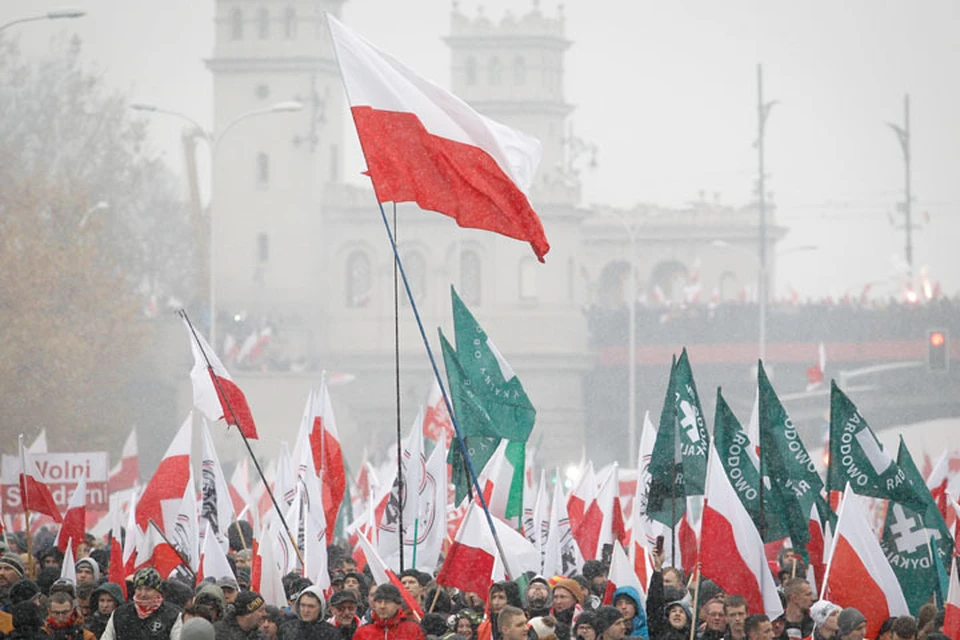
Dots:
pixel 263 169
pixel 519 70
pixel 470 278
pixel 290 23
pixel 496 70
pixel 359 280
pixel 471 71
pixel 415 266
pixel 528 279
pixel 263 23
pixel 236 24
pixel 263 247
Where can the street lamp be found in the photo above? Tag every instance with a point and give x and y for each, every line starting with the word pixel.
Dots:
pixel 49 15
pixel 763 112
pixel 762 268
pixel 631 339
pixel 903 135
pixel 287 106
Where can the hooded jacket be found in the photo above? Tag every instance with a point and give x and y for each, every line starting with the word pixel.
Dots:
pixel 638 628
pixel 395 628
pixel 318 629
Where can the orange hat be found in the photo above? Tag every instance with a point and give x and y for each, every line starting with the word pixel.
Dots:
pixel 572 586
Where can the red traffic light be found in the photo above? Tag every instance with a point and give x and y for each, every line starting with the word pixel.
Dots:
pixel 937 339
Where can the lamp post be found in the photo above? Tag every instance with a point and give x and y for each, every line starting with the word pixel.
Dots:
pixel 213 141
pixel 903 134
pixel 763 112
pixel 761 267
pixel 631 339
pixel 49 15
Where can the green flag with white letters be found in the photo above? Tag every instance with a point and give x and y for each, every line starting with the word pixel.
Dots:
pixel 694 438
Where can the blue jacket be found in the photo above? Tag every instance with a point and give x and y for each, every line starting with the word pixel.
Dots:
pixel 639 629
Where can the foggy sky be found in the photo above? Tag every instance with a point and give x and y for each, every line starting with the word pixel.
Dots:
pixel 667 90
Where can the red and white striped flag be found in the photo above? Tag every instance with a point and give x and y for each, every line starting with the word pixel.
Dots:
pixel 126 473
pixel 328 457
pixel 161 498
pixel 35 495
pixel 154 551
pixel 73 528
pixel 621 575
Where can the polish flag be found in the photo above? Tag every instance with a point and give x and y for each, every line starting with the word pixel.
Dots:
pixel 117 573
pixel 239 487
pixel 164 492
pixel 213 561
pixel 937 483
pixel 383 575
pixel 266 577
pixel 132 538
pixel 214 392
pixel 469 562
pixel 581 496
pixel 731 552
pixel 496 480
pixel 328 457
pixel 422 144
pixel 73 527
pixel 127 472
pixel 35 495
pixel 951 618
pixel 154 551
pixel 621 575
pixel 858 574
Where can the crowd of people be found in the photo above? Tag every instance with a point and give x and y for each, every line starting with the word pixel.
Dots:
pixel 36 601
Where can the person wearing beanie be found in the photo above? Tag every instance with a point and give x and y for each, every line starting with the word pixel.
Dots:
pixel 567 601
pixel 609 623
pixel 679 618
pixel 87 571
pixel 388 621
pixel 539 597
pixel 103 602
pixel 586 628
pixel 411 581
pixel 343 606
pixel 11 570
pixel 825 617
pixel 147 616
pixel 27 622
pixel 544 627
pixel 243 620
pixel 851 624
pixel 627 601
pixel 596 575
pixel 63 623
pixel 273 619
pixel 197 629
pixel 309 623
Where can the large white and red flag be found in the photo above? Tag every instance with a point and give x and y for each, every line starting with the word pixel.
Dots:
pixel 266 577
pixel 117 572
pixel 126 473
pixel 731 549
pixel 858 573
pixel 423 144
pixel 951 618
pixel 215 393
pixel 133 536
pixel 621 575
pixel 73 528
pixel 216 507
pixel 328 457
pixel 383 575
pixel 239 488
pixel 161 498
pixel 154 551
pixel 35 495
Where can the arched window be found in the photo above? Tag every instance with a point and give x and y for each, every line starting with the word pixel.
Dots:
pixel 415 266
pixel 263 169
pixel 263 23
pixel 528 279
pixel 471 71
pixel 470 278
pixel 496 70
pixel 290 23
pixel 236 24
pixel 359 280
pixel 519 70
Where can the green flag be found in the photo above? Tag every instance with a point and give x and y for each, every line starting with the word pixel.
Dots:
pixel 915 541
pixel 740 463
pixel 694 438
pixel 784 461
pixel 666 498
pixel 858 458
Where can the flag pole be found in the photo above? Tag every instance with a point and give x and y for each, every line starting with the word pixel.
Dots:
pixel 185 561
pixel 443 392
pixel 31 569
pixel 396 375
pixel 246 442
pixel 763 516
pixel 696 600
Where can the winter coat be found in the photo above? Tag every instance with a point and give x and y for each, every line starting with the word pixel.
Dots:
pixel 228 629
pixel 639 622
pixel 316 630
pixel 125 624
pixel 396 628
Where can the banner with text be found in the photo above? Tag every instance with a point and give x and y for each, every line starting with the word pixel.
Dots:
pixel 61 472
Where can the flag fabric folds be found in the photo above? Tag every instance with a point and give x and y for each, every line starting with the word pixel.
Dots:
pixel 74 522
pixel 161 497
pixel 423 144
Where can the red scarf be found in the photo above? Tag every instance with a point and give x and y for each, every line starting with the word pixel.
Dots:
pixel 146 606
pixel 53 624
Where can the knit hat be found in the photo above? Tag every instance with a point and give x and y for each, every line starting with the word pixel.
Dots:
pixel 389 593
pixel 544 626
pixel 849 620
pixel 593 569
pixel 247 602
pixel 821 610
pixel 147 577
pixel 683 605
pixel 94 567
pixel 197 629
pixel 228 582
pixel 540 579
pixel 23 590
pixel 13 561
pixel 606 617
pixel 344 595
pixel 572 586
pixel 112 589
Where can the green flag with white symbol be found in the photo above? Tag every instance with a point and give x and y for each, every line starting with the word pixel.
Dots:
pixel 858 458
pixel 694 438
pixel 911 537
pixel 739 460
pixel 667 497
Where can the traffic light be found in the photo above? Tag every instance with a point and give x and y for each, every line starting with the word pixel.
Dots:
pixel 938 350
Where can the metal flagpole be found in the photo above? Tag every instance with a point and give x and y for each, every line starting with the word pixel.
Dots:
pixel 396 364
